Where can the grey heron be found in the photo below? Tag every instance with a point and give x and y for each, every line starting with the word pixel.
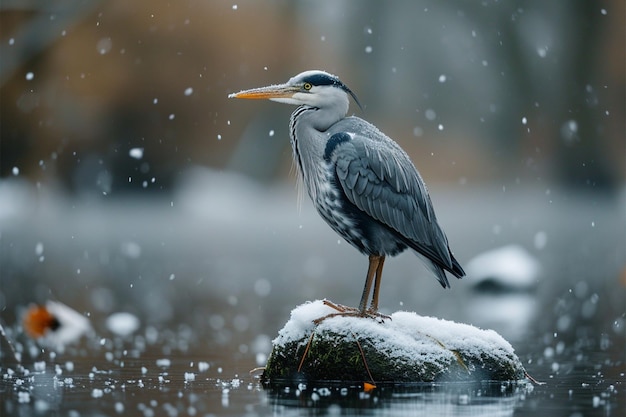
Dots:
pixel 361 182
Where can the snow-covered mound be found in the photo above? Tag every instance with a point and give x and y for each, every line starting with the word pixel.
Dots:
pixel 405 348
pixel 508 268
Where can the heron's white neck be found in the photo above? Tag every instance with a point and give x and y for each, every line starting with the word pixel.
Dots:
pixel 307 132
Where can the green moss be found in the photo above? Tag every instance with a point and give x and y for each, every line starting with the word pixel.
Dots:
pixel 337 357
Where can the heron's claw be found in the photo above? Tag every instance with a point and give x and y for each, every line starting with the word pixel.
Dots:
pixel 346 311
pixel 377 316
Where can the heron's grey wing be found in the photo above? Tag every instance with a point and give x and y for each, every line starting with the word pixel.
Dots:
pixel 378 177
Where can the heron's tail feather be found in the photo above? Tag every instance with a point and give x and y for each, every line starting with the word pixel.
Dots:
pixel 440 270
pixel 456 270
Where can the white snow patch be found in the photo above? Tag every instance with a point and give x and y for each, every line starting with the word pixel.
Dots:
pixel 405 335
pixel 136 153
pixel 510 266
pixel 122 324
pixel 163 363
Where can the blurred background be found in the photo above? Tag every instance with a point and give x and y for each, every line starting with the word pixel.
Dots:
pixel 130 182
pixel 475 91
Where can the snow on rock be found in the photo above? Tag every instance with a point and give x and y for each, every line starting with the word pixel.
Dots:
pixel 509 267
pixel 405 348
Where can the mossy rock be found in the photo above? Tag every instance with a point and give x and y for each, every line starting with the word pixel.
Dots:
pixel 406 348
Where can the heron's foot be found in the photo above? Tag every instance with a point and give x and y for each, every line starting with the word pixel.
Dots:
pixel 376 315
pixel 346 311
pixel 341 308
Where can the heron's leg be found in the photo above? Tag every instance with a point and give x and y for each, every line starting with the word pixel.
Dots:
pixel 379 274
pixel 374 261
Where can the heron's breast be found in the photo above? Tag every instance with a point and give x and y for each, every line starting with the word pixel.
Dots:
pixel 331 204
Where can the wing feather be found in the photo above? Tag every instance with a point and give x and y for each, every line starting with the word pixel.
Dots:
pixel 378 177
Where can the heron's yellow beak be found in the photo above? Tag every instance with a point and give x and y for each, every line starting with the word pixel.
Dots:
pixel 269 92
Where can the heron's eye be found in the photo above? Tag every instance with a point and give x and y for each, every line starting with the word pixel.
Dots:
pixel 307 86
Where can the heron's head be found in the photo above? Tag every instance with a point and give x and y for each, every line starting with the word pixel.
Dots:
pixel 312 88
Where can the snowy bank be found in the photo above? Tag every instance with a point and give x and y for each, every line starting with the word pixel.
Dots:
pixel 405 348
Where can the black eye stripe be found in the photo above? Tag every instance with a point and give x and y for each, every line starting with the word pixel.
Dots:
pixel 328 79
pixel 322 79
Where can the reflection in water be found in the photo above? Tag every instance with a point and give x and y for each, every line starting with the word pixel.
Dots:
pixel 180 389
pixel 483 399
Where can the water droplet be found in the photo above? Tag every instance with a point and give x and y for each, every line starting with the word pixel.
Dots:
pixel 271 133
pixel 542 51
pixel 262 287
pixel 569 131
pixel 430 114
pixel 540 240
pixel 524 120
pixel 172 116
pixel 131 249
pixel 136 153
pixel 188 91
pixel 104 45
pixel 29 76
pixel 235 7
pixel 368 49
pixel 442 78
pixel 15 171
